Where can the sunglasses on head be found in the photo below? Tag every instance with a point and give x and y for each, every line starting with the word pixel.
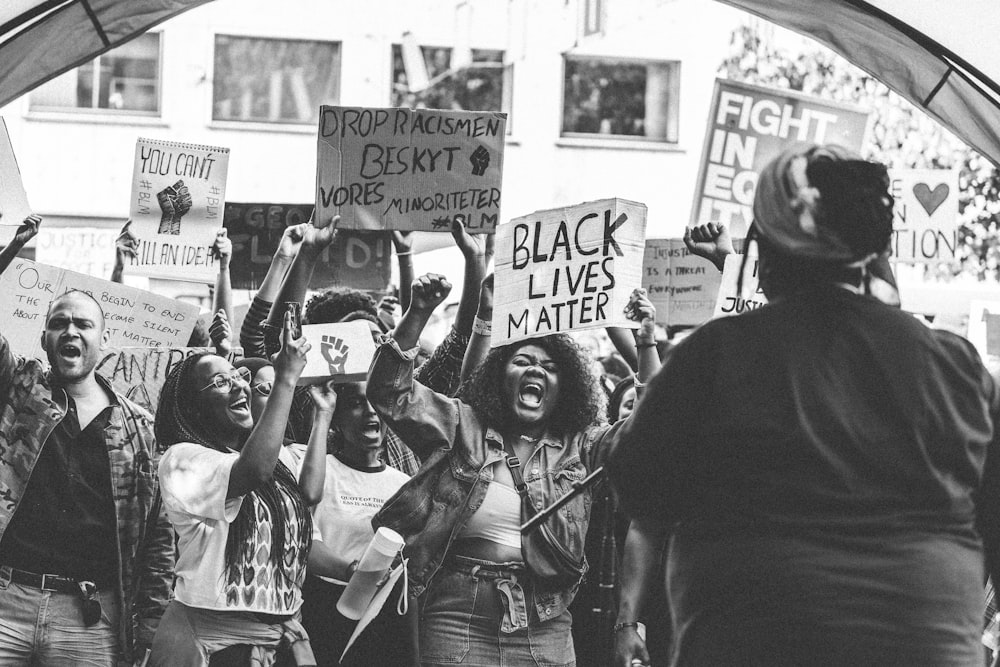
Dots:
pixel 226 380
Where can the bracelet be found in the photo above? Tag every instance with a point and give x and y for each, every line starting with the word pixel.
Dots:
pixel 404 254
pixel 643 346
pixel 618 627
pixel 482 327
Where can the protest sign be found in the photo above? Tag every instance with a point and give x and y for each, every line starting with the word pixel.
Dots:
pixel 410 169
pixel 567 269
pixel 14 206
pixel 89 250
pixel 732 301
pixel 133 317
pixel 358 259
pixel 924 214
pixel 178 194
pixel 341 351
pixel 682 286
pixel 984 329
pixel 748 126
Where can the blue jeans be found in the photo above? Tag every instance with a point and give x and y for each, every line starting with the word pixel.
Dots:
pixel 46 628
pixel 478 616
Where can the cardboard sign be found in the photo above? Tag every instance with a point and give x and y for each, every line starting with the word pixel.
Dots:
pixel 14 206
pixel 984 329
pixel 732 301
pixel 132 316
pixel 682 286
pixel 567 269
pixel 178 194
pixel 89 250
pixel 358 259
pixel 342 351
pixel 410 168
pixel 748 126
pixel 925 214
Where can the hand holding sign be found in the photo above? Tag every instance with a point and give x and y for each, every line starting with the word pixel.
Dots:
pixel 290 360
pixel 28 229
pixel 320 235
pixel 324 397
pixel 429 292
pixel 472 246
pixel 291 240
pixel 640 309
pixel 221 334
pixel 222 248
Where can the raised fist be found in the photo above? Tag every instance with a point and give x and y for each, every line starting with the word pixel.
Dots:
pixel 480 160
pixel 175 201
pixel 335 352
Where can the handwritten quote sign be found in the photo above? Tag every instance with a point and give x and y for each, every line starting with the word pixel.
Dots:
pixel 925 214
pixel 341 351
pixel 133 317
pixel 410 168
pixel 749 126
pixel 682 286
pixel 178 194
pixel 567 269
pixel 733 301
pixel 358 259
pixel 14 206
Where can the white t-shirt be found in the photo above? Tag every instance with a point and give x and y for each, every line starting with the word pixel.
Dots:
pixel 194 481
pixel 351 497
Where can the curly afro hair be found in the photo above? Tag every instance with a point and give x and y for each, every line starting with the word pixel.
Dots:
pixel 337 305
pixel 581 401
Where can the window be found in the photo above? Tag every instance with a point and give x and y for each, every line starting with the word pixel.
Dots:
pixel 123 80
pixel 274 80
pixel 478 87
pixel 620 99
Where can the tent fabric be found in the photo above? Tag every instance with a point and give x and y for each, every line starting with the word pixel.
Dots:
pixel 41 39
pixel 940 55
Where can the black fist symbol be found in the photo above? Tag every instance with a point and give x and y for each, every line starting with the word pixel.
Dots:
pixel 480 160
pixel 175 202
pixel 335 352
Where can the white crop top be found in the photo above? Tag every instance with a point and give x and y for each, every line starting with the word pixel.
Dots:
pixel 498 519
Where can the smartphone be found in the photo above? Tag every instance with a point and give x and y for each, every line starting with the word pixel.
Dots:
pixel 295 308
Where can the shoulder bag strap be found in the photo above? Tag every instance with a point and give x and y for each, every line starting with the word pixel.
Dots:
pixel 514 463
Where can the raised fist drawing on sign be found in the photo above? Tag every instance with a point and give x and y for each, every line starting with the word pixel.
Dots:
pixel 175 202
pixel 480 160
pixel 335 352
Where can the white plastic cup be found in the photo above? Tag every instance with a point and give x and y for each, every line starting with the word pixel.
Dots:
pixel 375 562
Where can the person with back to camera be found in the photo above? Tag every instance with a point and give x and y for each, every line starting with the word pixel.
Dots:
pixel 826 465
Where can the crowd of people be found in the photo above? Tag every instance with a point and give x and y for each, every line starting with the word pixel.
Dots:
pixel 815 481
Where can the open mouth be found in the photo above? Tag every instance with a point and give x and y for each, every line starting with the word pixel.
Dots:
pixel 70 351
pixel 372 429
pixel 531 394
pixel 240 405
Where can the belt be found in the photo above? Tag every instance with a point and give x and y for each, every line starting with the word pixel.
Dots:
pixel 484 569
pixel 45 582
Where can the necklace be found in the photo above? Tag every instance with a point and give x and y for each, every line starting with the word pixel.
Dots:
pixel 528 438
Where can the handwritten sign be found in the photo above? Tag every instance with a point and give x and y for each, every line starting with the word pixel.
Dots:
pixel 14 206
pixel 567 269
pixel 133 317
pixel 89 250
pixel 925 214
pixel 682 286
pixel 410 168
pixel 358 259
pixel 178 194
pixel 748 126
pixel 342 351
pixel 733 301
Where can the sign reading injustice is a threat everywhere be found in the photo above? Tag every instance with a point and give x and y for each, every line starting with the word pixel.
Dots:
pixel 682 285
pixel 410 169
pixel 567 269
pixel 178 194
pixel 748 126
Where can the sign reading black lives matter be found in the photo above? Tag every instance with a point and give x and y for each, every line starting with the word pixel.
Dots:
pixel 178 195
pixel 410 169
pixel 749 126
pixel 567 269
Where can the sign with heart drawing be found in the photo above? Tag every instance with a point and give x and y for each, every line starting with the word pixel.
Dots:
pixel 925 214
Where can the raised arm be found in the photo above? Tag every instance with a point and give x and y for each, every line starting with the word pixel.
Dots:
pixel 252 333
pixel 641 310
pixel 403 243
pixel 482 330
pixel 315 239
pixel 473 247
pixel 25 232
pixel 260 452
pixel 222 299
pixel 711 241
pixel 313 476
pixel 125 246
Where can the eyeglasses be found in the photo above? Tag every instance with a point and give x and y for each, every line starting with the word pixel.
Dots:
pixel 262 388
pixel 226 380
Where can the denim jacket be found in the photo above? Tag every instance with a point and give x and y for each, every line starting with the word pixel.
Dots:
pixel 458 451
pixel 30 408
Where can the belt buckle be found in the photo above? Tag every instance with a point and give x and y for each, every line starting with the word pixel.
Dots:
pixel 45 586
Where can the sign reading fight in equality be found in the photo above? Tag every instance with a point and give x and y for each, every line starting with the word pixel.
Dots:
pixel 748 126
pixel 732 301
pixel 341 351
pixel 924 214
pixel 682 286
pixel 178 194
pixel 357 259
pixel 410 169
pixel 567 269
pixel 133 317
pixel 14 206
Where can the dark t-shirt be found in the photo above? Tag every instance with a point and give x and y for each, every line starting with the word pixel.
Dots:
pixel 819 460
pixel 65 523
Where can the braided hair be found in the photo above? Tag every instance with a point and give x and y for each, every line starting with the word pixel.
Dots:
pixel 178 419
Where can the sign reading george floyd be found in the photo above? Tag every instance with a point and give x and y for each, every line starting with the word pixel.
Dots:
pixel 749 126
pixel 133 317
pixel 924 214
pixel 682 286
pixel 14 206
pixel 357 259
pixel 567 269
pixel 341 351
pixel 410 169
pixel 178 195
